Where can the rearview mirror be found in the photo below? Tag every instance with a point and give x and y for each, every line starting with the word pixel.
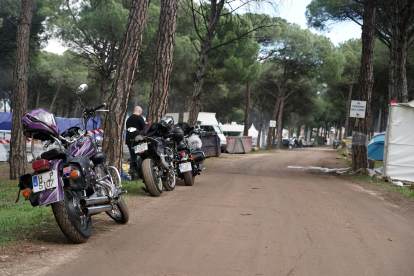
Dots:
pixel 81 89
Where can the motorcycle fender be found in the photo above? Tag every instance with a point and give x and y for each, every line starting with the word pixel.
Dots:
pixel 26 182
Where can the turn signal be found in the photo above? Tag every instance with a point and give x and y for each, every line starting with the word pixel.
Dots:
pixel 191 158
pixel 27 192
pixel 74 174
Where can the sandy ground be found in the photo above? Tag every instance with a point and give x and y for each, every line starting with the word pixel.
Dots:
pixel 247 215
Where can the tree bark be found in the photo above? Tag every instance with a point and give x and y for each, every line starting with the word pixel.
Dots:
pixel 298 128
pixel 379 121
pixel 259 135
pixel 280 124
pixel 124 78
pixel 272 129
pixel 18 159
pixel 348 104
pixel 359 147
pixel 160 87
pixel 55 96
pixel 247 111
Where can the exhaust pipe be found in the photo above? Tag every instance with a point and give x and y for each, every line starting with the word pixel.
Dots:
pixel 94 200
pixel 96 210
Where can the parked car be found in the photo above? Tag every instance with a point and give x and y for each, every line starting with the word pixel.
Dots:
pixel 286 143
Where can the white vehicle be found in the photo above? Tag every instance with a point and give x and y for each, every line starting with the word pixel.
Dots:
pixel 208 123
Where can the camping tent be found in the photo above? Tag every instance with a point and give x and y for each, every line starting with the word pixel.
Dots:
pixel 376 147
pixel 399 142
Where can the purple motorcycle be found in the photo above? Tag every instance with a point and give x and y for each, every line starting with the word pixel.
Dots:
pixel 73 178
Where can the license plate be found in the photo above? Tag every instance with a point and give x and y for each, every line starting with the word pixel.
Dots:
pixel 45 181
pixel 141 147
pixel 185 167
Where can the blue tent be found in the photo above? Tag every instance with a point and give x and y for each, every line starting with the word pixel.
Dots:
pixel 376 147
pixel 63 123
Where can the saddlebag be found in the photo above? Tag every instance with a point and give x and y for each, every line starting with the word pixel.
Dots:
pixel 198 155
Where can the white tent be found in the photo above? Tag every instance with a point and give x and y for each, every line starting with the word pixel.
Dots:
pixel 399 142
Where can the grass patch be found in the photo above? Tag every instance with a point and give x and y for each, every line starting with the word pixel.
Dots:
pixel 378 164
pixel 406 191
pixel 133 188
pixel 18 221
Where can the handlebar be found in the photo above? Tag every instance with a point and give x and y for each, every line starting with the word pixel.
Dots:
pixel 98 107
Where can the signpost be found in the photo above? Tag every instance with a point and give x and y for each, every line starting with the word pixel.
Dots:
pixel 272 123
pixel 358 109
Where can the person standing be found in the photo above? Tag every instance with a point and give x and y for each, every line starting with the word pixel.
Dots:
pixel 134 124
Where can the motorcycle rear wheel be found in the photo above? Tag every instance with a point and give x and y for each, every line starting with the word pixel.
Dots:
pixel 169 183
pixel 120 213
pixel 152 177
pixel 76 226
pixel 188 178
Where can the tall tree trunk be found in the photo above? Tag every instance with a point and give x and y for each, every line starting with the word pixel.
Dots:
pixel 272 129
pixel 247 111
pixel 76 104
pixel 280 124
pixel 18 159
pixel 104 89
pixel 136 94
pixel 348 104
pixel 379 120
pixel 195 104
pixel 306 132
pixel 274 138
pixel 37 99
pixel 359 147
pixel 160 87
pixel 259 135
pixel 182 107
pixel 298 129
pixel 401 68
pixel 55 96
pixel 124 78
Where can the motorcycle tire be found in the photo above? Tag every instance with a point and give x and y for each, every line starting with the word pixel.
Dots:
pixel 169 184
pixel 76 226
pixel 188 178
pixel 152 179
pixel 120 213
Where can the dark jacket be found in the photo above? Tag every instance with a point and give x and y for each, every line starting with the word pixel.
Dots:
pixel 134 121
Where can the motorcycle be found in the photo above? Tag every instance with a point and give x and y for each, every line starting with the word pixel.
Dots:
pixel 189 156
pixel 157 169
pixel 73 178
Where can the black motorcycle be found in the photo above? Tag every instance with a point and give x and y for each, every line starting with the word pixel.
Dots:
pixel 188 155
pixel 157 169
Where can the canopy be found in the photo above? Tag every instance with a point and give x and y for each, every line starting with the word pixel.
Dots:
pixel 376 147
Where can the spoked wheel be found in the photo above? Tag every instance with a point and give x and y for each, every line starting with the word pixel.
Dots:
pixel 152 176
pixel 188 178
pixel 120 212
pixel 169 183
pixel 76 226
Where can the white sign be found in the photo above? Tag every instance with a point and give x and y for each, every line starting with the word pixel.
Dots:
pixel 272 123
pixel 358 109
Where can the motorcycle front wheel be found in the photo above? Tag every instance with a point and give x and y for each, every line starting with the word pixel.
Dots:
pixel 169 183
pixel 120 212
pixel 152 177
pixel 76 226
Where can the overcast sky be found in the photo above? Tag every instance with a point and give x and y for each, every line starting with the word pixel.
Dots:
pixel 291 10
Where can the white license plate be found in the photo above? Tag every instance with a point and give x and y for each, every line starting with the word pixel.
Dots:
pixel 141 147
pixel 45 181
pixel 185 167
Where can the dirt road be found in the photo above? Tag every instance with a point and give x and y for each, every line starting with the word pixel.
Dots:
pixel 252 215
